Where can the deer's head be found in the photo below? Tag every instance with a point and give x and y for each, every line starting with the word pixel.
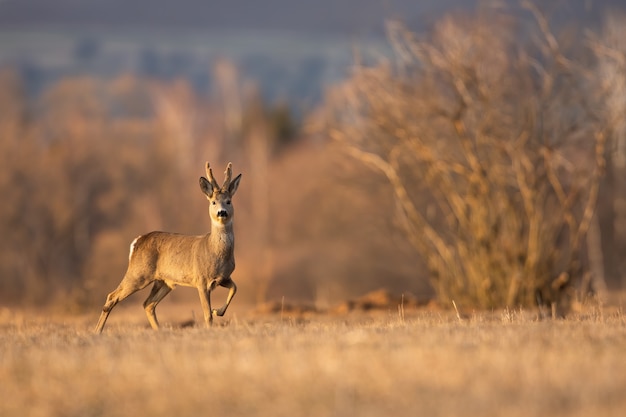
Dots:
pixel 220 205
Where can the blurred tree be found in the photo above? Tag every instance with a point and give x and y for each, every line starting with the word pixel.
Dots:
pixel 493 147
pixel 610 49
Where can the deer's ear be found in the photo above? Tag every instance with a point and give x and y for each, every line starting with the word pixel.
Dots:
pixel 206 187
pixel 234 184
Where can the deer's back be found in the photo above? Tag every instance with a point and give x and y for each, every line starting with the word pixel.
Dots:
pixel 170 257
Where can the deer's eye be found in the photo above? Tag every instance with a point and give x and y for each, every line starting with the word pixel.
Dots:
pixel 228 202
pixel 213 202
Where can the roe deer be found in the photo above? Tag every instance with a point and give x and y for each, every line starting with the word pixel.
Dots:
pixel 169 259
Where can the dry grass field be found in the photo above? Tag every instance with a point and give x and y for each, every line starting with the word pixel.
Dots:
pixel 430 363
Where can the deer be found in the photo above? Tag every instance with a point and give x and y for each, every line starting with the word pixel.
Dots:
pixel 170 259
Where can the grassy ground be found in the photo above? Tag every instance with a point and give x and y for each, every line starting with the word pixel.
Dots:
pixel 430 364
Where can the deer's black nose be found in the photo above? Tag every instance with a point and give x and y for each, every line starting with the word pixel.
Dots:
pixel 222 213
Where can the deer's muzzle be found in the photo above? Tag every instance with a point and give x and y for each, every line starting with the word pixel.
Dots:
pixel 222 214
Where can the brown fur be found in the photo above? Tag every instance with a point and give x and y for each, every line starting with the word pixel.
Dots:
pixel 170 259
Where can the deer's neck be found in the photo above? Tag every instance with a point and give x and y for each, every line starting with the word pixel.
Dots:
pixel 221 240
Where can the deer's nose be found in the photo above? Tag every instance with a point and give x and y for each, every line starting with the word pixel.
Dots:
pixel 222 213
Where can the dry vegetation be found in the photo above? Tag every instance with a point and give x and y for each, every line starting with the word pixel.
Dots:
pixel 492 131
pixel 430 363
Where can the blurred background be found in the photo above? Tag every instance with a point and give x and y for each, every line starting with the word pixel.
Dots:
pixel 109 109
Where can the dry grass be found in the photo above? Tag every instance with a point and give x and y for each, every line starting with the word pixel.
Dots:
pixel 430 363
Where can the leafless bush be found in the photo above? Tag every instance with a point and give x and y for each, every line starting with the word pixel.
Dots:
pixel 492 137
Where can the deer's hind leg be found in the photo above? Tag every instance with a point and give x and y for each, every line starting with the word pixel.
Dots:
pixel 127 287
pixel 158 292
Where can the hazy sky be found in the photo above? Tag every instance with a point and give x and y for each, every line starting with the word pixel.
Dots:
pixel 318 15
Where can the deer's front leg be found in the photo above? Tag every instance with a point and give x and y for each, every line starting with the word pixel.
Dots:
pixel 230 284
pixel 205 300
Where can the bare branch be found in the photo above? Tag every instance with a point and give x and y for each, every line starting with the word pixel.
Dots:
pixel 400 191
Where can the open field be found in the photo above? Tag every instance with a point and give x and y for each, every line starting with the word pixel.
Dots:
pixel 430 364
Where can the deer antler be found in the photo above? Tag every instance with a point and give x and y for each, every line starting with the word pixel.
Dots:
pixel 228 173
pixel 210 177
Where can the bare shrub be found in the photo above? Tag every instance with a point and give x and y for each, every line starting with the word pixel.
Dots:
pixel 493 141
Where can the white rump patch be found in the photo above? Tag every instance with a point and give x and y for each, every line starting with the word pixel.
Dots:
pixel 132 247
